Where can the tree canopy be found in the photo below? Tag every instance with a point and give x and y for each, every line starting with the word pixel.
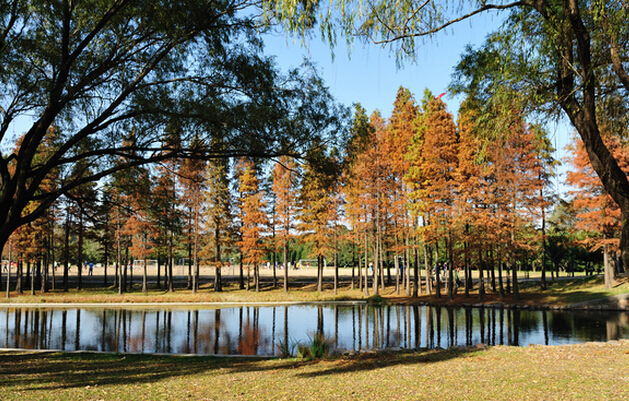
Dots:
pixel 96 71
pixel 562 55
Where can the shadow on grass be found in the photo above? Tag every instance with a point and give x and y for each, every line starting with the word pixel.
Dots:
pixel 43 371
pixel 368 362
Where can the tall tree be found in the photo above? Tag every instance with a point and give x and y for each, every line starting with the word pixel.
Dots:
pixel 253 218
pixel 355 165
pixel 597 214
pixel 316 209
pixel 218 214
pixel 193 176
pixel 100 69
pixel 440 153
pixel 556 55
pixel 285 189
pixel 402 125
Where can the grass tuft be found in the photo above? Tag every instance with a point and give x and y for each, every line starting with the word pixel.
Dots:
pixel 319 347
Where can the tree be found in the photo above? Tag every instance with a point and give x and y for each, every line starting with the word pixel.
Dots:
pixel 138 225
pixel 167 218
pixel 253 219
pixel 98 70
pixel 218 200
pixel 436 189
pixel 557 55
pixel 284 187
pixel 192 173
pixel 316 207
pixel 597 214
pixel 355 164
pixel 402 127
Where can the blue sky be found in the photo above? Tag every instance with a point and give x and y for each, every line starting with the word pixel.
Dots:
pixel 369 74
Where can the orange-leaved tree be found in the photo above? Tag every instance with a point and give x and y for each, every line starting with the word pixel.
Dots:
pixel 597 213
pixel 192 174
pixel 434 156
pixel 285 189
pixel 254 220
pixel 401 127
pixel 316 206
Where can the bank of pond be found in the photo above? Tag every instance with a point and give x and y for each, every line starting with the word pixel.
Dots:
pixel 266 330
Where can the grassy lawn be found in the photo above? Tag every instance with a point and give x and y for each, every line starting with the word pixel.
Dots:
pixel 588 371
pixel 558 293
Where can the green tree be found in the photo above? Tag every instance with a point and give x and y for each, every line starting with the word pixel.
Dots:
pixel 218 213
pixel 99 69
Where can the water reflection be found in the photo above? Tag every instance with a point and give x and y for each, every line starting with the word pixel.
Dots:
pixel 252 330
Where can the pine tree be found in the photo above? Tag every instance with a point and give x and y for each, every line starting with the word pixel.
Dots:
pixel 218 200
pixel 435 151
pixel 284 187
pixel 193 175
pixel 253 219
pixel 597 213
pixel 316 207
pixel 402 126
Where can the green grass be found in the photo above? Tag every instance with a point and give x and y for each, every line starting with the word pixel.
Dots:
pixel 592 372
pixel 559 292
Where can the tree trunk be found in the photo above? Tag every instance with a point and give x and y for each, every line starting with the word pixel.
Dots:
pixel 407 264
pixel 415 271
pixel 366 283
pixel 171 285
pixel 285 266
pixel 437 273
pixel 428 268
pixel 190 285
pixel 106 265
pixel 450 267
pixel 31 274
pixel 514 273
pixel 608 268
pixel 66 253
pixel 501 290
pixel 319 273
pixel 80 253
pixel 481 278
pixel 144 279
pixel 242 274
pixel 9 279
pixel 376 265
pixel 582 112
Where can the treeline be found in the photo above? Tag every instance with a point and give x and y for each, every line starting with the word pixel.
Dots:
pixel 404 198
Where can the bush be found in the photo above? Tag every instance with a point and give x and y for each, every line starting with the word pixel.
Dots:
pixel 319 347
pixel 287 349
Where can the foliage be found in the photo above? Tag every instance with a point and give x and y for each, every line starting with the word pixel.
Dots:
pixel 318 347
pixel 287 348
pixel 97 71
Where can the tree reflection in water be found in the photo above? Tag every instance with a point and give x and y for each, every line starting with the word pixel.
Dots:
pixel 250 330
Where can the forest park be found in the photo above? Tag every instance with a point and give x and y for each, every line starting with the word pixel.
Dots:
pixel 416 189
pixel 161 132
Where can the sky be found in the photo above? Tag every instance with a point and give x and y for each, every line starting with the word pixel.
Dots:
pixel 369 74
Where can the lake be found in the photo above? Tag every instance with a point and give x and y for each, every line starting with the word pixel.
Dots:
pixel 258 330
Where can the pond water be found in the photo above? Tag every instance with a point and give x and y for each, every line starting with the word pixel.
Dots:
pixel 252 330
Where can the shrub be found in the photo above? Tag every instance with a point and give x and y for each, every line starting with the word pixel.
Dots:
pixel 319 347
